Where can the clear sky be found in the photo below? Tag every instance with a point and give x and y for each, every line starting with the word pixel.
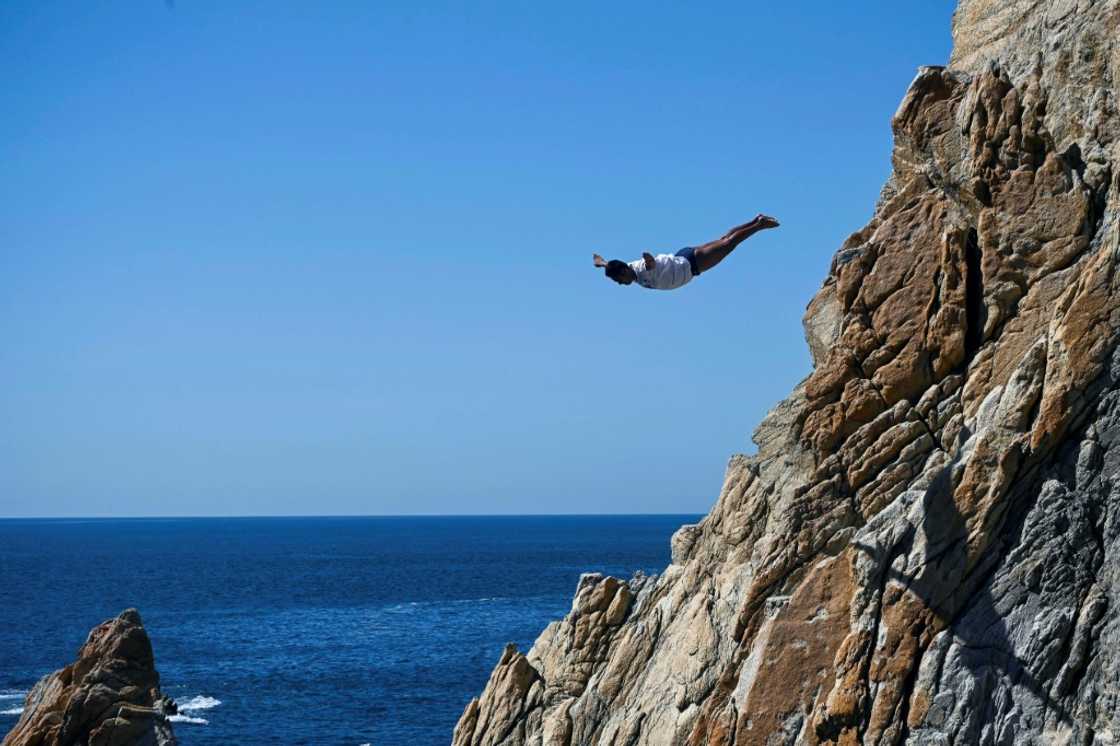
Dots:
pixel 335 258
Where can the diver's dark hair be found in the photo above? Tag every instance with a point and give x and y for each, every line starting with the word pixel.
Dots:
pixel 616 268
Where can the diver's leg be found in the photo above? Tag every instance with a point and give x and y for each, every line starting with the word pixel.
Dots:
pixel 712 253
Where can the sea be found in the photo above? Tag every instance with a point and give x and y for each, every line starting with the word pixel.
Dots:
pixel 350 631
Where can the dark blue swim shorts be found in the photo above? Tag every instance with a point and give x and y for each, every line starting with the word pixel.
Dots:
pixel 689 253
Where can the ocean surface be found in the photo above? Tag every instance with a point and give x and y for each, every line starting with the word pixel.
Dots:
pixel 307 630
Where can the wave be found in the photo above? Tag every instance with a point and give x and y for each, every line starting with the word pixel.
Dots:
pixel 190 706
pixel 200 702
pixel 188 719
pixel 8 695
pixel 409 605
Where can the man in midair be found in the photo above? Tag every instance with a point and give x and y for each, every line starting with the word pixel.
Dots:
pixel 670 271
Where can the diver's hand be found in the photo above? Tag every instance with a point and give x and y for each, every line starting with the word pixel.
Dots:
pixel 648 257
pixel 599 261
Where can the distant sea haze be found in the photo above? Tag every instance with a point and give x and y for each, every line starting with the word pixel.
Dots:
pixel 258 622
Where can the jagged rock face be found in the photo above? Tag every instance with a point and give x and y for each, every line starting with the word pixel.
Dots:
pixel 926 548
pixel 108 697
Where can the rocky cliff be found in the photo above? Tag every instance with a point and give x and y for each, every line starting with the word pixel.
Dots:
pixel 926 547
pixel 108 697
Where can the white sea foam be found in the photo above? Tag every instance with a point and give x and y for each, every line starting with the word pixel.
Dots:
pixel 201 702
pixel 188 719
pixel 7 695
pixel 411 605
pixel 190 706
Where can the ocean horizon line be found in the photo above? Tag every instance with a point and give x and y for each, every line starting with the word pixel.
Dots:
pixel 284 516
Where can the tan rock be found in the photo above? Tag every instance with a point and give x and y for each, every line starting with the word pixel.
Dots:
pixel 108 697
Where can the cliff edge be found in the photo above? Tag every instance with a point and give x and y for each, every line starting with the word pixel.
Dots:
pixel 926 548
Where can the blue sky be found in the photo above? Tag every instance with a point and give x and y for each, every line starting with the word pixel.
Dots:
pixel 334 258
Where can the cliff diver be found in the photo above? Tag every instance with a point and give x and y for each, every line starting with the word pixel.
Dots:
pixel 670 271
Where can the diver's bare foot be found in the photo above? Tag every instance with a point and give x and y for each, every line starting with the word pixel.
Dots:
pixel 765 221
pixel 752 223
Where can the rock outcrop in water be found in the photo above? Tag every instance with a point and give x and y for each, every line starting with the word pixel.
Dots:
pixel 926 548
pixel 108 697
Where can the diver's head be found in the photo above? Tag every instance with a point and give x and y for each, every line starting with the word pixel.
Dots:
pixel 620 272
